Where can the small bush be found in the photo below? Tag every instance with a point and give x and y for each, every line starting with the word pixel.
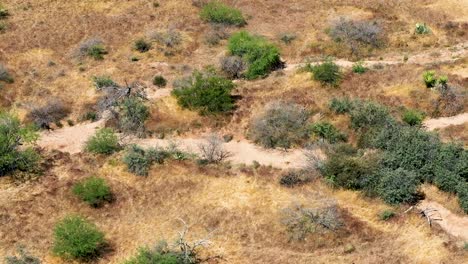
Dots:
pixel 94 191
pixel 296 177
pixel 369 114
pixel 356 34
pixel 142 45
pixel 93 48
pixel 77 238
pixel 327 73
pixel 233 66
pixel 133 114
pixel 169 38
pixel 139 161
pixel 260 56
pixel 150 256
pixel 207 93
pixel 328 132
pixel 23 257
pixel 359 68
pixel 97 52
pixel 5 75
pixel 53 112
pixel 4 13
pixel 159 81
pixel 103 81
pixel 105 141
pixel 287 38
pixel 90 115
pixel 429 79
pixel 398 186
pixel 413 117
pixel 341 105
pixel 280 125
pixel 386 215
pixel 3 27
pixel 422 28
pixel 217 12
pixel 212 150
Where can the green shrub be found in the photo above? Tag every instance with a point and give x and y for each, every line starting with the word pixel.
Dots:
pixel 462 191
pixel 260 56
pixel 413 117
pixel 328 132
pixel 77 238
pixel 93 191
pixel 23 257
pixel 139 161
pixel 217 12
pixel 359 68
pixel 154 256
pixel 447 180
pixel 97 52
pixel 133 114
pixel 103 81
pixel 142 45
pixel 422 29
pixel 280 124
pixel 429 79
pixel 386 215
pixel 369 114
pixel 105 141
pixel 90 115
pixel 159 81
pixel 207 93
pixel 341 105
pixel 398 186
pixel 287 38
pixel 327 73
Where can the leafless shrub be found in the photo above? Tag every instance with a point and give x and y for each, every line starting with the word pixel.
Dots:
pixel 356 33
pixel 450 102
pixel 182 82
pixel 52 112
pixel 113 95
pixel 216 34
pixel 233 66
pixel 297 177
pixel 85 46
pixel 301 221
pixel 212 150
pixel 189 249
pixel 169 38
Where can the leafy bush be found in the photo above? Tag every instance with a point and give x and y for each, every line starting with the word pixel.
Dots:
pixel 422 29
pixel 93 191
pixel 133 115
pixel 207 93
pixel 105 141
pixel 50 113
pixel 77 238
pixel 327 73
pixel 398 186
pixel 23 257
pixel 295 177
pixel 412 117
pixel 233 66
pixel 359 68
pixel 429 79
pixel 103 81
pixel 154 256
pixel 369 114
pixel 12 137
pixel 328 132
pixel 447 180
pixel 142 45
pixel 159 81
pixel 280 125
pixel 462 191
pixel 139 161
pixel 386 215
pixel 341 105
pixel 5 75
pixel 356 33
pixel 217 12
pixel 260 56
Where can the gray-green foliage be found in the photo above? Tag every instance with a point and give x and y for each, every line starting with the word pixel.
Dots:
pixel 105 141
pixel 22 257
pixel 133 115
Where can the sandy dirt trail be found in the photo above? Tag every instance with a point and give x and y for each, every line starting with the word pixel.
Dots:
pixel 442 122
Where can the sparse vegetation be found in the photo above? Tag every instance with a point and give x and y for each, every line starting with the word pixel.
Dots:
pixel 386 215
pixel 154 256
pixel 77 238
pixel 93 47
pixel 280 125
pixel 139 160
pixel 212 150
pixel 359 68
pixel 22 257
pixel 169 38
pixel 422 28
pixel 142 45
pixel 93 190
pixel 328 132
pixel 260 56
pixel 232 66
pixel 296 177
pixel 217 12
pixel 105 141
pixel 103 81
pixel 53 112
pixel 4 13
pixel 327 73
pixel 159 81
pixel 341 105
pixel 356 34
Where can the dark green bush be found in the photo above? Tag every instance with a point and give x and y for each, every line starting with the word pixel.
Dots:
pixel 105 141
pixel 93 191
pixel 295 177
pixel 369 114
pixel 4 13
pixel 398 186
pixel 260 56
pixel 462 191
pixel 341 105
pixel 328 132
pixel 133 114
pixel 447 180
pixel 139 161
pixel 422 28
pixel 77 238
pixel 327 73
pixel 142 45
pixel 159 81
pixel 412 117
pixel 207 93
pixel 429 79
pixel 217 12
pixel 280 125
pixel 103 81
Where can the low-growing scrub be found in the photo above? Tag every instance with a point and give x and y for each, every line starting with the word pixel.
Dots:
pixel 52 112
pixel 93 48
pixel 233 66
pixel 280 125
pixel 356 34
pixel 105 141
pixel 327 73
pixel 341 105
pixel 5 76
pixel 413 117
pixel 169 38
pixel 206 93
pixel 421 29
pixel 132 116
pixel 103 81
pixel 77 238
pixel 142 45
pixel 4 13
pixel 22 257
pixel 386 215
pixel 296 177
pixel 260 56
pixel 139 160
pixel 93 190
pixel 217 12
pixel 155 256
pixel 359 68
pixel 159 81
pixel 328 132
pixel 367 114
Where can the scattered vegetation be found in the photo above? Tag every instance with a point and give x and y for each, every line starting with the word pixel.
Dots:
pixel 296 177
pixel 142 45
pixel 169 38
pixel 341 105
pixel 52 112
pixel 4 13
pixel 157 255
pixel 386 215
pixel 93 48
pixel 287 38
pixel 206 92
pixel 22 257
pixel 327 73
pixel 328 132
pixel 105 141
pixel 139 161
pixel 413 117
pixel 217 12
pixel 260 56
pixel 356 34
pixel 159 81
pixel 280 124
pixel 77 238
pixel 103 81
pixel 359 68
pixel 422 28
pixel 93 190
pixel 233 66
